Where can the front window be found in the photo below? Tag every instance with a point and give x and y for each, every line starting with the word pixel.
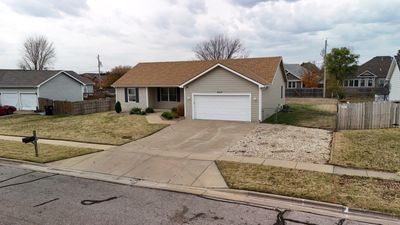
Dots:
pixel 132 94
pixel 370 82
pixel 355 83
pixel 168 94
pixel 362 83
pixel 291 84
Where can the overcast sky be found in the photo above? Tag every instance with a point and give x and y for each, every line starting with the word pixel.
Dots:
pixel 125 32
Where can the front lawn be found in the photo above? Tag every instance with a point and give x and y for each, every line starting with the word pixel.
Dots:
pixel 307 115
pixel 47 153
pixel 104 128
pixel 377 149
pixel 356 192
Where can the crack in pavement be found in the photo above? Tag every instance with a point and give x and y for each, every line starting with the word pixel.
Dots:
pixel 46 202
pixel 26 182
pixel 1 181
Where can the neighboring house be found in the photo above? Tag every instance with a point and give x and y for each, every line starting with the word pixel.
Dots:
pixel 294 72
pixel 95 78
pixel 393 79
pixel 248 89
pixel 22 88
pixel 369 77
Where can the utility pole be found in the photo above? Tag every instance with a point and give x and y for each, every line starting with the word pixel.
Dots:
pixel 99 65
pixel 325 50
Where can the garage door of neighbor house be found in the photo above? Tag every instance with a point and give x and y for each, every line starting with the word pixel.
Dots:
pixel 28 101
pixel 9 99
pixel 233 107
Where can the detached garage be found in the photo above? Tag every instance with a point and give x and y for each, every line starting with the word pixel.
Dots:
pixel 249 89
pixel 22 88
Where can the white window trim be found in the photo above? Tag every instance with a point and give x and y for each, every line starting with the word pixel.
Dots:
pixel 134 91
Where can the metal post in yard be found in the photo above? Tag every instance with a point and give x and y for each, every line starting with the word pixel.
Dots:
pixel 35 144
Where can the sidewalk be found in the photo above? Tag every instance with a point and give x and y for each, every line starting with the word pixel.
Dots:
pixel 60 142
pixel 200 162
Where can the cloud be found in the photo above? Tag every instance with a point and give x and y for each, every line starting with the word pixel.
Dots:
pixel 127 32
pixel 251 3
pixel 48 8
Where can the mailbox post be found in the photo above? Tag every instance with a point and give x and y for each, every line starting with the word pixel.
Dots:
pixel 32 139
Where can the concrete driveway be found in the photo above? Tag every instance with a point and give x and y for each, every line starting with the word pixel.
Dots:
pixel 182 153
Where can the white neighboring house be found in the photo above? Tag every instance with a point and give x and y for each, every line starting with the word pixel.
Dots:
pixel 22 88
pixel 393 79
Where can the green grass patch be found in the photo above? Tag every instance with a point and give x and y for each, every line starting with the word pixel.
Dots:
pixel 317 116
pixel 47 153
pixel 377 149
pixel 356 192
pixel 104 128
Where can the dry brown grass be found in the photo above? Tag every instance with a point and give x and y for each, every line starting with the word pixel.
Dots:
pixel 356 192
pixel 311 101
pixel 104 128
pixel 377 149
pixel 307 115
pixel 47 153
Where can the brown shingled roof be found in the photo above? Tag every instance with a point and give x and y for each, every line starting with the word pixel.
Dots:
pixel 260 70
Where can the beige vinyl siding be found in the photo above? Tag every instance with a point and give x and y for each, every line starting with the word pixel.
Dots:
pixel 271 96
pixel 220 80
pixel 126 106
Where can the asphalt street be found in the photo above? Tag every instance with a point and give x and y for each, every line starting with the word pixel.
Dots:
pixel 29 197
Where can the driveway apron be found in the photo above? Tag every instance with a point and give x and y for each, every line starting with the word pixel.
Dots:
pixel 181 154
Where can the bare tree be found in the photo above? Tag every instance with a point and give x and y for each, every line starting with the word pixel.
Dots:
pixel 220 47
pixel 38 54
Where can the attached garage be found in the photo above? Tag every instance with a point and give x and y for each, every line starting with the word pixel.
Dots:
pixel 232 107
pixel 23 88
pixel 28 101
pixel 9 99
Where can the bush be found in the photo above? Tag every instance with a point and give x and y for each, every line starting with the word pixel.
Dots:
pixel 169 115
pixel 174 109
pixel 180 109
pixel 117 107
pixel 137 111
pixel 149 110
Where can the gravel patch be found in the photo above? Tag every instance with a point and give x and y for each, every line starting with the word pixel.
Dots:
pixel 282 142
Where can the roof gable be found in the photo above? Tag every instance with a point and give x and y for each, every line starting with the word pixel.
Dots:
pixel 32 78
pixel 295 69
pixel 378 66
pixel 258 70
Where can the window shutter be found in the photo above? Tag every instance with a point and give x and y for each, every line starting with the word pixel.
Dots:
pixel 178 94
pixel 158 94
pixel 137 94
pixel 126 94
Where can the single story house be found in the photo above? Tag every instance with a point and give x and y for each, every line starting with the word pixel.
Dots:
pixel 393 78
pixel 294 72
pixel 249 89
pixel 369 77
pixel 22 88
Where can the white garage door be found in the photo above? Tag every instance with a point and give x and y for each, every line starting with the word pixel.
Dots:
pixel 28 101
pixel 9 99
pixel 222 107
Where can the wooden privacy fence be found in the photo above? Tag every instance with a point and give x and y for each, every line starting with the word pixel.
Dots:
pixel 368 115
pixel 77 108
pixel 304 92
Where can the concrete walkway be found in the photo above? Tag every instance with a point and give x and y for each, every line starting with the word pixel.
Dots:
pixel 60 142
pixel 155 118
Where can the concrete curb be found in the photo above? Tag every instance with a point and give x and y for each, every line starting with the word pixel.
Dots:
pixel 264 200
